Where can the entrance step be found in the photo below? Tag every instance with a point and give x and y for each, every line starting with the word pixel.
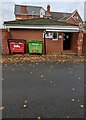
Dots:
pixel 69 52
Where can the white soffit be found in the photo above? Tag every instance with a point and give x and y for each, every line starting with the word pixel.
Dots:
pixel 48 28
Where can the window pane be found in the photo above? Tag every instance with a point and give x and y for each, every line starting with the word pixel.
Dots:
pixel 55 35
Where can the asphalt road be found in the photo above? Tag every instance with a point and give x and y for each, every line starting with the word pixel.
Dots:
pixel 51 90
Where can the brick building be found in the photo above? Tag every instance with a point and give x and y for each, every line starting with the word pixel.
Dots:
pixel 29 12
pixel 84 39
pixel 64 33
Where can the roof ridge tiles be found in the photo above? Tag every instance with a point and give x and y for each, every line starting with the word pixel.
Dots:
pixel 61 12
pixel 28 5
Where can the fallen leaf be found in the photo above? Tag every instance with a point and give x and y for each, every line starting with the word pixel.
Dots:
pixel 25 101
pixel 50 81
pixel 1 108
pixel 73 89
pixel 73 100
pixel 38 118
pixel 82 106
pixel 24 105
pixel 41 75
pixel 67 116
pixel 51 66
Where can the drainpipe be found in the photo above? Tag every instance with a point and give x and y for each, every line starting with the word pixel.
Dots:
pixel 44 43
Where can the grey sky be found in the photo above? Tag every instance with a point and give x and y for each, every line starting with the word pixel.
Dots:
pixel 7 8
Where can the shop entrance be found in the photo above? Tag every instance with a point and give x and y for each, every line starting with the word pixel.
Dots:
pixel 67 41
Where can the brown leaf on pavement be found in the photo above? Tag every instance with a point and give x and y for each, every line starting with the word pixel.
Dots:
pixel 73 99
pixel 42 76
pixel 12 69
pixel 82 106
pixel 24 105
pixel 73 89
pixel 1 108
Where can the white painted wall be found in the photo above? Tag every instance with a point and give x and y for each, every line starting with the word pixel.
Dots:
pixel 42 12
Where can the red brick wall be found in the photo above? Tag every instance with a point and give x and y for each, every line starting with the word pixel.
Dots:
pixel 72 21
pixel 84 44
pixel 74 42
pixel 26 34
pixel 54 46
pixel 31 17
pixel 25 17
pixel 18 17
pixel 23 10
pixel 51 46
pixel 75 39
pixel 77 14
pixel 4 37
pixel 21 17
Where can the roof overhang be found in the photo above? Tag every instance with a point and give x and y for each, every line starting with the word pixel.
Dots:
pixel 84 30
pixel 61 30
pixel 45 27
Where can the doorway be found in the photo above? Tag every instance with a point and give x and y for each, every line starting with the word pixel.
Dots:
pixel 67 41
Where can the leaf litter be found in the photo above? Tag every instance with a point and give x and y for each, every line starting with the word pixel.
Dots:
pixel 42 58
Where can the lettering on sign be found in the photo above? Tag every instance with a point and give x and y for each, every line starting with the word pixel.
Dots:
pixel 16 46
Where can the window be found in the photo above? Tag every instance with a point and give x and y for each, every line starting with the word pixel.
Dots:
pixel 41 14
pixel 52 35
pixel 55 36
pixel 48 35
pixel 76 17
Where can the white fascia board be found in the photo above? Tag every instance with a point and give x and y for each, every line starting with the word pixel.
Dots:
pixel 53 27
pixel 84 30
pixel 72 30
pixel 72 15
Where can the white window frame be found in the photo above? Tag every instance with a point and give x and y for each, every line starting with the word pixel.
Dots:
pixel 56 38
pixel 49 35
